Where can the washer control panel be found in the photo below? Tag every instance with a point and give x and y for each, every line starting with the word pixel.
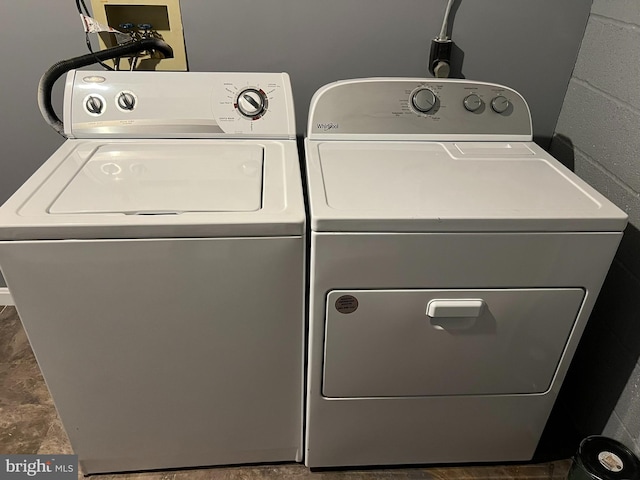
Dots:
pixel 178 105
pixel 434 109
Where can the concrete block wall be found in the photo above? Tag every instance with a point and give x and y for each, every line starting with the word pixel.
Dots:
pixel 598 135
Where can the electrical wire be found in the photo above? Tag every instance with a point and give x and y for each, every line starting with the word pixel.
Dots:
pixel 80 5
pixel 445 22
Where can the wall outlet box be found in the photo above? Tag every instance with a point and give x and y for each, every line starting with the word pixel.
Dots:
pixel 163 15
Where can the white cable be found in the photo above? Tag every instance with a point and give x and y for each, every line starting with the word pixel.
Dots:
pixel 445 22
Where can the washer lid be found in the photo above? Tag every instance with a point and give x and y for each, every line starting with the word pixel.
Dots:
pixel 143 179
pixel 182 189
pixel 465 186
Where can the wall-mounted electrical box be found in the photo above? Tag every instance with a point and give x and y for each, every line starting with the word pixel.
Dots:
pixel 164 18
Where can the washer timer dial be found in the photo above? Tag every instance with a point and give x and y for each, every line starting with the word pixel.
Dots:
pixel 251 103
pixel 423 100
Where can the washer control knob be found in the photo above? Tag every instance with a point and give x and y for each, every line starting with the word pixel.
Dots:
pixel 472 102
pixel 500 104
pixel 126 101
pixel 94 105
pixel 251 103
pixel 423 100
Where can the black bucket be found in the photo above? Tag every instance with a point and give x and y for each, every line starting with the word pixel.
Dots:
pixel 602 458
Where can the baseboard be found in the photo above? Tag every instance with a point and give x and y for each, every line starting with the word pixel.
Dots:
pixel 5 296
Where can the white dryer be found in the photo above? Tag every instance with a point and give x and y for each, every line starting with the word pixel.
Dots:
pixel 157 263
pixel 454 265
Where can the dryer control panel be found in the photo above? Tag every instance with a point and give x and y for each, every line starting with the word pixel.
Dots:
pixel 122 104
pixel 418 109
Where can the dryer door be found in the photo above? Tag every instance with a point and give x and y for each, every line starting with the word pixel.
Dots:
pixel 398 343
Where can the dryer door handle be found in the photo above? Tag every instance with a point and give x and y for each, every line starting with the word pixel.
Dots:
pixel 454 314
pixel 455 307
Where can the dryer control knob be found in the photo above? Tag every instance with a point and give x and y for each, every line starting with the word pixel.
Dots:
pixel 472 102
pixel 423 100
pixel 94 104
pixel 500 104
pixel 251 103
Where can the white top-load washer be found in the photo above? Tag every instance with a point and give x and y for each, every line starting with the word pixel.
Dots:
pixel 157 263
pixel 453 267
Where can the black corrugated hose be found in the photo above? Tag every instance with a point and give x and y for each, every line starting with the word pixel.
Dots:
pixel 47 81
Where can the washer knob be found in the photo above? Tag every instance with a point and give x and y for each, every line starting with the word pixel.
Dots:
pixel 94 105
pixel 500 104
pixel 251 103
pixel 472 102
pixel 126 101
pixel 423 100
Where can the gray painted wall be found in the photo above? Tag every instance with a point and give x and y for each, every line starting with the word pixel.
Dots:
pixel 25 53
pixel 530 45
pixel 597 133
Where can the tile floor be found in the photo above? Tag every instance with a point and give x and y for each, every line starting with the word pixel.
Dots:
pixel 29 424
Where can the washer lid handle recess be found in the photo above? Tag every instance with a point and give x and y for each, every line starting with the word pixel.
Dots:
pixel 418 109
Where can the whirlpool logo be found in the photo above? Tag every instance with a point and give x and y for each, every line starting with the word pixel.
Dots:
pixel 51 467
pixel 327 126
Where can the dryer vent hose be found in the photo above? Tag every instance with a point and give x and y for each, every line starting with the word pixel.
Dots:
pixel 45 87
